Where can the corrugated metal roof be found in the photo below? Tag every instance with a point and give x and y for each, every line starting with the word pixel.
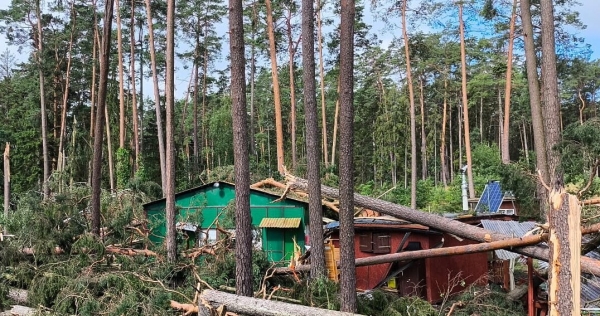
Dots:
pixel 279 222
pixel 510 228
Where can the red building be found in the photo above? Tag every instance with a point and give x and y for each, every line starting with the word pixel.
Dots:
pixel 428 278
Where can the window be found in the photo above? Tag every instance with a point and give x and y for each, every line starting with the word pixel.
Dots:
pixel 381 243
pixel 375 242
pixel 366 242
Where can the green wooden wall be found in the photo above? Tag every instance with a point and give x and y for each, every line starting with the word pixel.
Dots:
pixel 204 204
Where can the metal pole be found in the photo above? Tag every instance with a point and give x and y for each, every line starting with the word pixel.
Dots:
pixel 464 186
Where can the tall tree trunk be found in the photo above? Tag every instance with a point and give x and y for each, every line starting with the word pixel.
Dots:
pixel 509 62
pixel 142 110
pixel 253 22
pixel 582 107
pixel 99 126
pixel 159 125
pixel 122 128
pixel 39 53
pixel 170 150
pixel 465 102
pixel 525 142
pixel 292 52
pixel 204 91
pixel 335 125
pixel 195 137
pixel 313 156
pixel 63 123
pixel 243 229
pixel 443 134
pixel 423 136
pixel 276 94
pixel 95 44
pixel 7 184
pixel 539 141
pixel 134 105
pixel 413 121
pixel 322 83
pixel 551 104
pixel 109 151
pixel 346 170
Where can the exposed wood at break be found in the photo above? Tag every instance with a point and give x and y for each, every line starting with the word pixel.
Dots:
pixel 437 222
pixel 592 201
pixel 333 205
pixel 254 306
pixel 131 251
pixel 439 252
pixel 187 308
pixel 565 248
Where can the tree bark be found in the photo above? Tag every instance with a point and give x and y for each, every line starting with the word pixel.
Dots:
pixel 413 123
pixel 509 63
pixel 39 52
pixel 423 135
pixel 134 106
pixel 243 229
pixel 63 122
pixel 122 128
pixel 159 125
pixel 109 151
pixel 443 134
pixel 440 223
pixel 292 52
pixel 551 103
pixel 537 123
pixel 7 184
pixel 335 124
pixel 564 275
pixel 276 94
pixel 465 103
pixel 322 83
pixel 438 252
pixel 313 156
pixel 346 170
pixel 100 109
pixel 259 307
pixel 170 150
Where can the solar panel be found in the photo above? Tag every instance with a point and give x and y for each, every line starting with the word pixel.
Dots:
pixel 491 198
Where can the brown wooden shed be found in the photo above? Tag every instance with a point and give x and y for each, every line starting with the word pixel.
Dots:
pixel 428 278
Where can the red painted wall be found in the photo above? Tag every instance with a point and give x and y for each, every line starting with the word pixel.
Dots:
pixel 472 267
pixel 368 277
pixel 469 268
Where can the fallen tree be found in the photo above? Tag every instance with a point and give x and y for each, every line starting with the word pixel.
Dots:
pixel 438 252
pixel 254 306
pixel 588 265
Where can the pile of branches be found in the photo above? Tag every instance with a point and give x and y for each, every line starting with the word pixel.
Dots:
pixel 66 270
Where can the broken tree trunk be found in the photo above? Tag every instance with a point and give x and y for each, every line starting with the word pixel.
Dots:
pixel 440 223
pixel 564 275
pixel 438 252
pixel 254 306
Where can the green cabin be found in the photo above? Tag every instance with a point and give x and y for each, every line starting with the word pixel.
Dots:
pixel 275 223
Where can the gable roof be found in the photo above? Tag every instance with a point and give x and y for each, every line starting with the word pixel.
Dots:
pixel 218 184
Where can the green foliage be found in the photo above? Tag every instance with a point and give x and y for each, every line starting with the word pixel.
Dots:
pixel 320 292
pixel 4 303
pixel 220 269
pixel 409 306
pixel 123 168
pixel 486 302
